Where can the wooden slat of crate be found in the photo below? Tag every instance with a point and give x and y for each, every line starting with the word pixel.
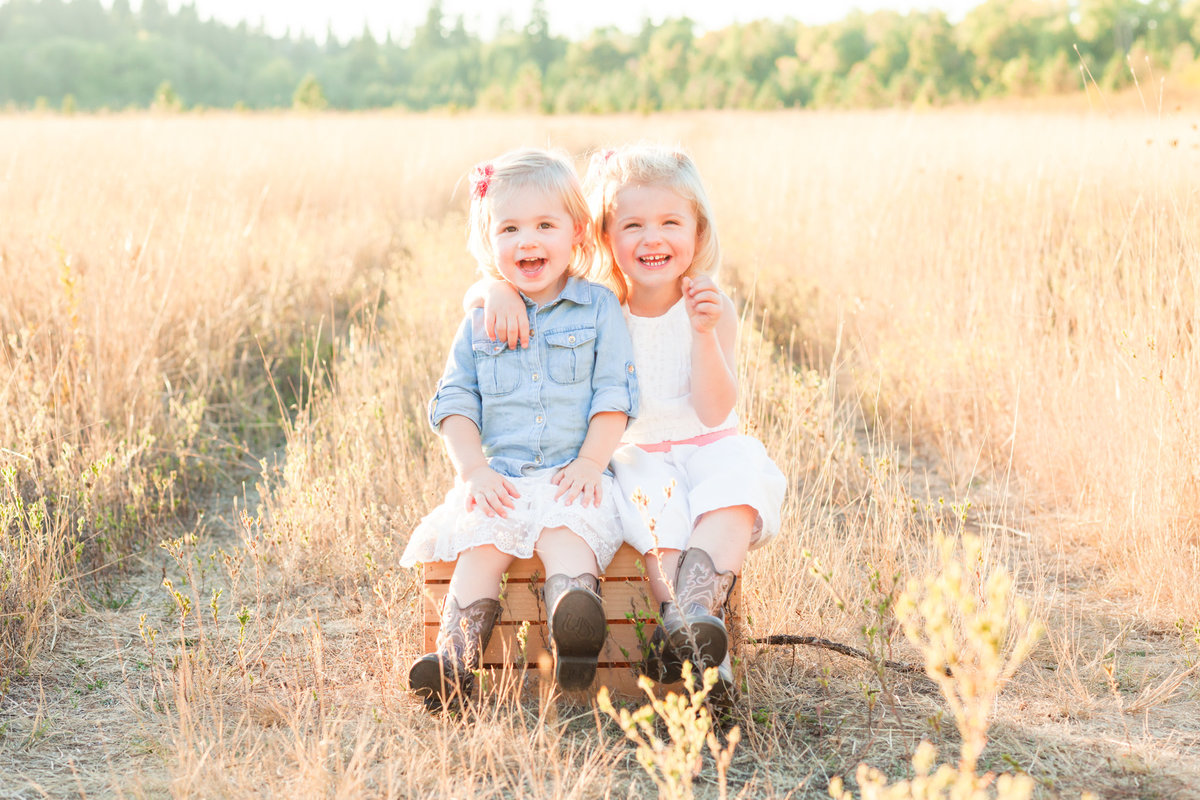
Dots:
pixel 626 564
pixel 625 591
pixel 523 601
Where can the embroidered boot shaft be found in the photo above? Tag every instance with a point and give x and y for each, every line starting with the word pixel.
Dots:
pixel 695 623
pixel 575 617
pixel 462 636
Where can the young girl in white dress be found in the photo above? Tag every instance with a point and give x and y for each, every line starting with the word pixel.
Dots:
pixel 712 492
pixel 530 432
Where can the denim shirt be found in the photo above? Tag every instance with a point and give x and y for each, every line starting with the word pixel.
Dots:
pixel 533 405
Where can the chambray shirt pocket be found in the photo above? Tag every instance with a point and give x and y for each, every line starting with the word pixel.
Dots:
pixel 498 368
pixel 570 354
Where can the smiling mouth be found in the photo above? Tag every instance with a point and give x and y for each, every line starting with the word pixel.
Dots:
pixel 531 266
pixel 654 261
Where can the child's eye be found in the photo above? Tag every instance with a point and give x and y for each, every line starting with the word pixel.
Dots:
pixel 632 225
pixel 508 229
pixel 546 225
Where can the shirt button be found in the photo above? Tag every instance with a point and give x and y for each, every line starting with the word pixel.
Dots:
pixel 570 340
pixel 537 460
pixel 539 418
pixel 631 369
pixel 535 376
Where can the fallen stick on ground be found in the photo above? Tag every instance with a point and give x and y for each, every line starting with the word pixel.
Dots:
pixel 837 647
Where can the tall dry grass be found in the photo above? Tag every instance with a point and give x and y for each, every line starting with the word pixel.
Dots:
pixel 951 321
pixel 1019 293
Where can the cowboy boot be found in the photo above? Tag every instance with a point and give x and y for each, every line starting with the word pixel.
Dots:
pixel 463 634
pixel 696 623
pixel 660 662
pixel 575 618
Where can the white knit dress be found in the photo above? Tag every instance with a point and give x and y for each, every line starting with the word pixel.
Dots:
pixel 661 495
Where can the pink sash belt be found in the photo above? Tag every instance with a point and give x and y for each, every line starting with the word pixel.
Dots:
pixel 704 438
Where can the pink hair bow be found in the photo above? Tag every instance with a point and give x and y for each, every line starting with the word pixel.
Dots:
pixel 481 176
pixel 600 159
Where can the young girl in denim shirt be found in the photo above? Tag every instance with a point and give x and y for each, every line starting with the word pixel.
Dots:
pixel 711 491
pixel 531 431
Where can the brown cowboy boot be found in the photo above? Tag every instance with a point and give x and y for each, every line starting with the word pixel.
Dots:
pixel 464 633
pixel 575 618
pixel 660 662
pixel 695 624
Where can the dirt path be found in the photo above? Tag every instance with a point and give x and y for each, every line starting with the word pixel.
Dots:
pixel 84 720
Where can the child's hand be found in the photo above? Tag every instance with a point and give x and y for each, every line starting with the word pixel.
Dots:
pixel 504 315
pixel 489 491
pixel 581 478
pixel 703 302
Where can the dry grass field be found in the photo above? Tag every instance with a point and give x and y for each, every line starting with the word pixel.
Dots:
pixel 968 339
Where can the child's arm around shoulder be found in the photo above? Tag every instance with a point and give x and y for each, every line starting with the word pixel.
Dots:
pixel 714 342
pixel 504 314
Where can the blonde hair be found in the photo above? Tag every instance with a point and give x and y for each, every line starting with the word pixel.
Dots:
pixel 521 169
pixel 652 165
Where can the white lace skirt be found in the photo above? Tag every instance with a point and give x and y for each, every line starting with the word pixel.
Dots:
pixel 687 481
pixel 449 529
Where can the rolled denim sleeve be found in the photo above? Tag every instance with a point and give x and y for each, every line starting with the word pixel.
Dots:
pixel 614 378
pixel 458 390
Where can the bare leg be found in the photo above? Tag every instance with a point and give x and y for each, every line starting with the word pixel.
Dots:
pixel 478 573
pixel 661 564
pixel 725 535
pixel 565 553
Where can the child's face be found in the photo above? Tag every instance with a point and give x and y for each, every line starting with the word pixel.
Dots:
pixel 533 238
pixel 652 235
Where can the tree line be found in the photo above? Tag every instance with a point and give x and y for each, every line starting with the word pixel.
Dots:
pixel 84 55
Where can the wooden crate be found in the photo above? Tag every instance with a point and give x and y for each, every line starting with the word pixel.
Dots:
pixel 628 607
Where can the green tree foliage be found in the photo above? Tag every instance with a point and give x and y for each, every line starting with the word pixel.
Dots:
pixel 309 96
pixel 92 54
pixel 165 98
pixel 1013 36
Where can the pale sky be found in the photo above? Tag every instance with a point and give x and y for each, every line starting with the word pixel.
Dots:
pixel 571 18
